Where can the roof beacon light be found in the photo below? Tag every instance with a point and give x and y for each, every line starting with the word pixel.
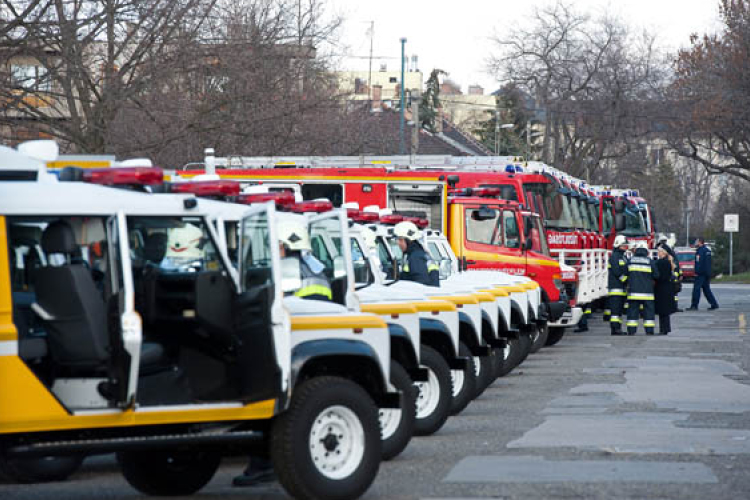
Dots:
pixel 281 199
pixel 131 176
pixel 208 188
pixel 391 219
pixel 366 217
pixel 510 169
pixel 311 206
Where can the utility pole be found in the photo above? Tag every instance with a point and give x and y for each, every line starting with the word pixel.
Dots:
pixel 528 141
pixel 369 74
pixel 403 102
pixel 415 127
pixel 497 132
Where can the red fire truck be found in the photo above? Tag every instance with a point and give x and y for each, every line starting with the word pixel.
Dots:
pixel 425 193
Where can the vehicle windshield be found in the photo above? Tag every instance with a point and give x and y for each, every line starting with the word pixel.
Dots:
pixel 607 218
pixel 386 260
pixel 686 256
pixel 575 210
pixel 173 244
pixel 594 216
pixel 557 212
pixel 325 248
pixel 634 223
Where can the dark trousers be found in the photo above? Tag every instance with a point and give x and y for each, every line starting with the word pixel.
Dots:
pixel 665 325
pixel 616 305
pixel 645 308
pixel 703 283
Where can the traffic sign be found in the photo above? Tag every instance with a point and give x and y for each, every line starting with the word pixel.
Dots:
pixel 731 223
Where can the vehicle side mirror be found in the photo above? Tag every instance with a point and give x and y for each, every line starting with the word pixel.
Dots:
pixel 291 275
pixel 527 226
pixel 483 214
pixel 528 244
pixel 339 267
pixel 445 268
pixel 619 222
pixel 619 206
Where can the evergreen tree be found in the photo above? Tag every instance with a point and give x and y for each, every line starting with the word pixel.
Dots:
pixel 428 108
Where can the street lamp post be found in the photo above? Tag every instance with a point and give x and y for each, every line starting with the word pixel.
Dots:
pixel 401 113
pixel 498 126
pixel 687 227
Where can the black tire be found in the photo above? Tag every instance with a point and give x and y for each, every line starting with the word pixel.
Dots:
pixel 465 393
pixel 429 423
pixel 397 441
pixel 508 364
pixel 541 338
pixel 555 335
pixel 519 350
pixel 486 372
pixel 526 342
pixel 351 408
pixel 168 472
pixel 39 470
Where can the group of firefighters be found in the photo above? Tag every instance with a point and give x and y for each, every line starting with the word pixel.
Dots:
pixel 641 287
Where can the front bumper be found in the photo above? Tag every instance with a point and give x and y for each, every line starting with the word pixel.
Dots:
pixel 568 318
pixel 558 309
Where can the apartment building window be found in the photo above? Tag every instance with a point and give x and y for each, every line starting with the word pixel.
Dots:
pixel 30 77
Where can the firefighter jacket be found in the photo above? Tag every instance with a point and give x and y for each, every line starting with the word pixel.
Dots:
pixel 617 273
pixel 703 261
pixel 315 284
pixel 642 272
pixel 418 266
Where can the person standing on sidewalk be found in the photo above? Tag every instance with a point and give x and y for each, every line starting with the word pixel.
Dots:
pixel 702 276
pixel 664 290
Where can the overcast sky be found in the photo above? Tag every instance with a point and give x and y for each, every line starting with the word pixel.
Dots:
pixel 454 36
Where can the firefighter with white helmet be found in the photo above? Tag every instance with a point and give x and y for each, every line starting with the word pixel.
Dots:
pixel 617 283
pixel 295 243
pixel 417 265
pixel 641 275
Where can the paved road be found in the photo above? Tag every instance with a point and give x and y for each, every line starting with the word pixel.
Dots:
pixel 594 417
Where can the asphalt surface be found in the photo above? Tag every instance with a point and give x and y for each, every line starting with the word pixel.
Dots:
pixel 593 417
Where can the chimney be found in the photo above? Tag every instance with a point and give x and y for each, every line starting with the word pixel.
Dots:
pixel 377 95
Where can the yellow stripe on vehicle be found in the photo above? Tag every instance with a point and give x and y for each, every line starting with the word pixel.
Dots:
pixel 389 308
pixel 509 259
pixel 514 289
pixel 28 406
pixel 435 305
pixel 531 285
pixel 336 322
pixel 7 328
pixel 497 292
pixel 458 299
pixel 484 296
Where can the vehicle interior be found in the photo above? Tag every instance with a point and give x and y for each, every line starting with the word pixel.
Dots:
pixel 68 298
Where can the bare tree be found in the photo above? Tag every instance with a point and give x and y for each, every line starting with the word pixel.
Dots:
pixel 712 96
pixel 587 75
pixel 70 66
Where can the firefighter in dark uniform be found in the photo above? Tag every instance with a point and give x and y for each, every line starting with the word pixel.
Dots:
pixel 294 242
pixel 417 265
pixel 642 272
pixel 677 273
pixel 617 284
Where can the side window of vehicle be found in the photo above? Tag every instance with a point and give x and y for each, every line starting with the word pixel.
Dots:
pixel 512 234
pixel 480 229
pixel 320 251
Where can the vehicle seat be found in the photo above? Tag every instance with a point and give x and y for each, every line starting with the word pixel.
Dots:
pixel 77 322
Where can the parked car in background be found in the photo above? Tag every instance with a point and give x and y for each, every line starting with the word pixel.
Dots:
pixel 686 260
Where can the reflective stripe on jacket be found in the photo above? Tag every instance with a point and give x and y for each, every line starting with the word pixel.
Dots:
pixel 642 272
pixel 418 266
pixel 618 272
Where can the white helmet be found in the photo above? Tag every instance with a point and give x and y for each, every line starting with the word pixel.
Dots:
pixel 294 235
pixel 663 238
pixel 407 230
pixel 370 238
pixel 620 240
pixel 641 244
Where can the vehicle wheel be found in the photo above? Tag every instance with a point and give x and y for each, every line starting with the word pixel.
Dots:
pixel 168 472
pixel 39 470
pixel 434 396
pixel 486 374
pixel 555 335
pixel 327 444
pixel 541 338
pixel 509 360
pixel 397 426
pixel 525 342
pixel 464 382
